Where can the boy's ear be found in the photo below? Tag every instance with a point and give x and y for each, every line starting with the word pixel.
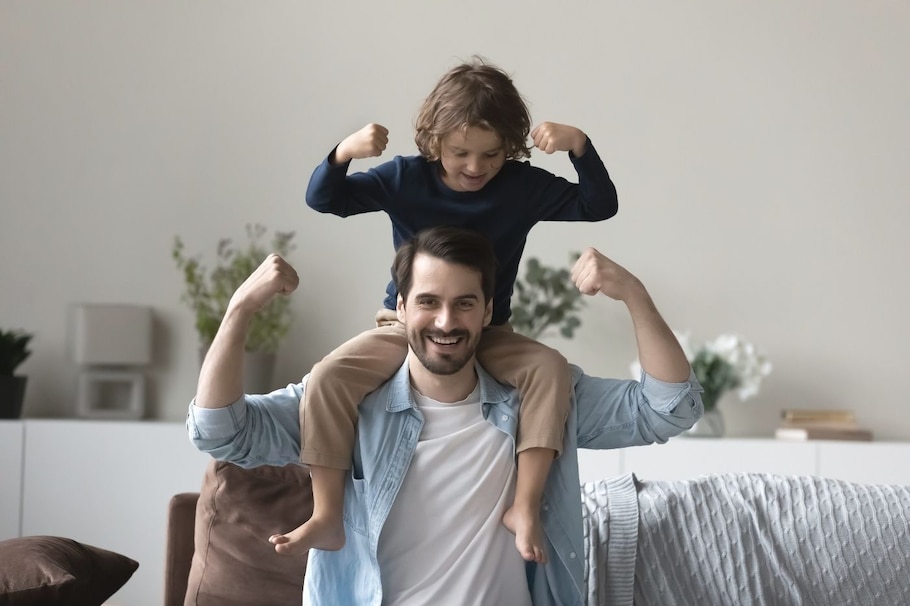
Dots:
pixel 399 309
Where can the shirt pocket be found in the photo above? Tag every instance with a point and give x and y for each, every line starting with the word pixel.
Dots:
pixel 356 509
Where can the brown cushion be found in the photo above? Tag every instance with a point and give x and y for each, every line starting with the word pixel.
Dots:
pixel 238 510
pixel 53 570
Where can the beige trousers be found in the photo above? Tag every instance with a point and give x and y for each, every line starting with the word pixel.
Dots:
pixel 337 385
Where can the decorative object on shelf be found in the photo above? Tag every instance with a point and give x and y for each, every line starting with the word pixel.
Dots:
pixel 208 292
pixel 111 343
pixel 13 352
pixel 815 424
pixel 728 363
pixel 546 298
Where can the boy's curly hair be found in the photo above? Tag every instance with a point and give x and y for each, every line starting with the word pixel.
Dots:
pixel 474 94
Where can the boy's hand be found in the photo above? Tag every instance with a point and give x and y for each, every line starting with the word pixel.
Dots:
pixel 369 142
pixel 550 137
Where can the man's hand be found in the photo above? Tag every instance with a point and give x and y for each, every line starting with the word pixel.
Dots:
pixel 369 142
pixel 273 277
pixel 550 137
pixel 594 273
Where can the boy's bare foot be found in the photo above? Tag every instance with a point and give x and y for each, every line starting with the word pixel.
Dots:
pixel 528 531
pixel 315 533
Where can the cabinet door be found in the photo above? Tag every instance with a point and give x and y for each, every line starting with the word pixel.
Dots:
pixel 685 458
pixel 10 477
pixel 108 484
pixel 866 462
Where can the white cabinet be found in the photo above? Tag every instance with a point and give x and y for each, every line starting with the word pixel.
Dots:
pixel 10 478
pixel 108 484
pixel 686 458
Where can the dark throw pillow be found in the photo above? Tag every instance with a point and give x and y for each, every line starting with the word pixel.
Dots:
pixel 53 570
pixel 238 509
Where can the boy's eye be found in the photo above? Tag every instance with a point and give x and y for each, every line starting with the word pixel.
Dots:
pixel 492 154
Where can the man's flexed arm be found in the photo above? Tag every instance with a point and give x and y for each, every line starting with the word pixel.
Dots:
pixel 660 354
pixel 221 377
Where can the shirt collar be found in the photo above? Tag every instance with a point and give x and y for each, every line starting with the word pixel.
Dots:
pixel 401 398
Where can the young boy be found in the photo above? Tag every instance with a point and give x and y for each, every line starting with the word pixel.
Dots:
pixel 471 132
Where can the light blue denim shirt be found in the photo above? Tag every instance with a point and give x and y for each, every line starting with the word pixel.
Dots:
pixel 605 413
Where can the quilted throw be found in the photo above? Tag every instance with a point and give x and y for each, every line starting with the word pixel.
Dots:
pixel 744 539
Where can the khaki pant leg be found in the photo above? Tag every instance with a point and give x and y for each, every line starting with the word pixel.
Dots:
pixel 336 387
pixel 541 375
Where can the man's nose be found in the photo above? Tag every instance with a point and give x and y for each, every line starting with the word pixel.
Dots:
pixel 444 318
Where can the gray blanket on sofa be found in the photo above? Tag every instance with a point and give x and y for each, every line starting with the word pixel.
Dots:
pixel 746 539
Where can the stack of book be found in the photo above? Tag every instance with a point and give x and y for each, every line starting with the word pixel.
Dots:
pixel 805 424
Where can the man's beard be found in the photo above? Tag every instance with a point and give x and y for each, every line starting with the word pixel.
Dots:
pixel 443 364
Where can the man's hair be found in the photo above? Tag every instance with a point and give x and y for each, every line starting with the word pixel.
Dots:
pixel 453 245
pixel 474 94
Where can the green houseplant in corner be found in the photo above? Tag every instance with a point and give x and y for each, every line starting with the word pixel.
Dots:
pixel 13 352
pixel 546 298
pixel 207 293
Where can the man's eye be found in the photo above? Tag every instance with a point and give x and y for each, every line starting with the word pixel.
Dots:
pixel 466 304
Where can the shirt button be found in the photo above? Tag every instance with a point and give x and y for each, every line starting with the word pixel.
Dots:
pixel 505 417
pixel 572 556
pixel 546 507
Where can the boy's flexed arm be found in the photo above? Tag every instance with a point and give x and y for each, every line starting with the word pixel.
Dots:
pixel 550 137
pixel 368 142
pixel 221 377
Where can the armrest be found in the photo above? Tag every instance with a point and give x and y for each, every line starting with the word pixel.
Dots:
pixel 181 521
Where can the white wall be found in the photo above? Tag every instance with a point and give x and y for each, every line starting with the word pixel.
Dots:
pixel 760 151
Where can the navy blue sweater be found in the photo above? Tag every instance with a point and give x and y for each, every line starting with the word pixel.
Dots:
pixel 411 192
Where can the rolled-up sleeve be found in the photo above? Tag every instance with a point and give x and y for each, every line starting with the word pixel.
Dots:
pixel 614 413
pixel 255 430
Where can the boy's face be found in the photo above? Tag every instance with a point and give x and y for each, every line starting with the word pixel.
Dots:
pixel 470 158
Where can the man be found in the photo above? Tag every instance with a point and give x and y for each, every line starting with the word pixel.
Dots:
pixel 434 463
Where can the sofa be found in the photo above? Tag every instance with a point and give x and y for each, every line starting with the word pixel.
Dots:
pixel 740 538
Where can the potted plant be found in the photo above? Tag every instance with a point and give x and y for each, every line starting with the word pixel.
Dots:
pixel 13 352
pixel 545 298
pixel 207 293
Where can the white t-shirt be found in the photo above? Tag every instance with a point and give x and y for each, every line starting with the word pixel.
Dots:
pixel 444 541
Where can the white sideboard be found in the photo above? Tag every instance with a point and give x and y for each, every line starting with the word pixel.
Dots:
pixel 10 478
pixel 104 483
pixel 685 458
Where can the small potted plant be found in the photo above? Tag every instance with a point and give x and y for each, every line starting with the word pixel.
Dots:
pixel 13 352
pixel 207 292
pixel 545 298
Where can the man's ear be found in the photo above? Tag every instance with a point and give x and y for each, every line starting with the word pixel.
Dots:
pixel 399 309
pixel 488 313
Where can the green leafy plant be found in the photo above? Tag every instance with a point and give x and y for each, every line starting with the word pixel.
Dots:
pixel 13 350
pixel 208 292
pixel 545 298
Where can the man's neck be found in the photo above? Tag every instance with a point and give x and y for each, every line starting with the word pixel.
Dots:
pixel 442 388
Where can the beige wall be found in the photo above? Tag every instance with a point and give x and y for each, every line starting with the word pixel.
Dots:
pixel 760 150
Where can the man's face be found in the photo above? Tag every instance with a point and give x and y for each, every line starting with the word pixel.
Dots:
pixel 444 314
pixel 470 158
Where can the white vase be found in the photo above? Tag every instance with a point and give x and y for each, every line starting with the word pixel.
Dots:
pixel 711 425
